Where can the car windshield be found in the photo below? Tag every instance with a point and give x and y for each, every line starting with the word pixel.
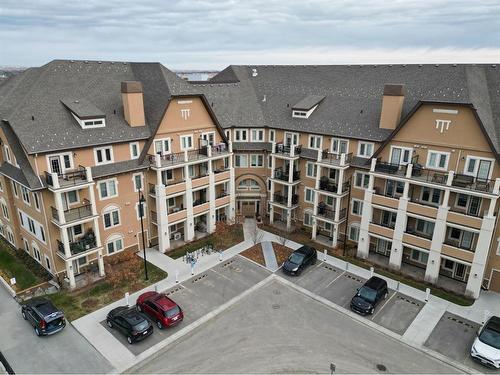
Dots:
pixel 296 258
pixel 141 325
pixel 172 312
pixel 367 294
pixel 490 337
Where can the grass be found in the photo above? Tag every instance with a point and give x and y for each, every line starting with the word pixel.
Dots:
pixel 82 302
pixel 233 237
pixel 11 266
pixel 302 237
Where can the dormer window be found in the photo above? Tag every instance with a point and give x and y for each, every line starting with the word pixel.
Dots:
pixel 85 113
pixel 306 106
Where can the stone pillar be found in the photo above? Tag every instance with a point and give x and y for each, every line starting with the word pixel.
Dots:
pixel 60 209
pixel 100 263
pixel 189 206
pixel 364 237
pixel 92 200
pixel 65 242
pixel 70 273
pixel 97 232
pixel 335 235
pixel 434 261
pixel 162 218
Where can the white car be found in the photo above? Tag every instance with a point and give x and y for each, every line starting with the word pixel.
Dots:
pixel 486 347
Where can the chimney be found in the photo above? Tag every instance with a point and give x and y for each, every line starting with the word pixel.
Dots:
pixel 392 105
pixel 133 104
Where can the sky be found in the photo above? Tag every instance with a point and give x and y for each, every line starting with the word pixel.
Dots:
pixel 200 34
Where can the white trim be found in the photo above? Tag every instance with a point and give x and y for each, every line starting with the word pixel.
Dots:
pixel 273 132
pixel 186 136
pixel 258 131
pixel 112 239
pixel 257 157
pixel 315 169
pixel 85 123
pixel 339 140
pixel 115 180
pixel 403 149
pixel 142 181
pixel 447 111
pixel 360 202
pixel 366 144
pixel 131 145
pixel 109 210
pixel 354 225
pixel 311 215
pixel 103 155
pixel 61 161
pixel 476 166
pixel 240 132
pixel 315 137
pixel 163 151
pixel 312 193
pixel 439 154
pixel 300 113
pixel 25 192
pixel 293 135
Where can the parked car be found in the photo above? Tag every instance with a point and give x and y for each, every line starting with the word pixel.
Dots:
pixel 160 309
pixel 45 318
pixel 369 295
pixel 486 346
pixel 300 259
pixel 130 322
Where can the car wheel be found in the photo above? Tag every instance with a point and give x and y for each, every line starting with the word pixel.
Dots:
pixel 23 314
pixel 129 340
pixel 159 324
pixel 385 295
pixel 110 323
pixel 139 308
pixel 37 332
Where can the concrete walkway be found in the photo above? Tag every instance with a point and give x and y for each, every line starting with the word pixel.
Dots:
pixel 269 256
pixel 178 270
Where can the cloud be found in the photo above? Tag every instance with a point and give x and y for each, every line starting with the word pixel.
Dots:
pixel 199 33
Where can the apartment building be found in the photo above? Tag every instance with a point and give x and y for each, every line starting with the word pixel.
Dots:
pixel 399 161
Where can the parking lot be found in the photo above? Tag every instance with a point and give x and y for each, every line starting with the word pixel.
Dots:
pixel 453 336
pixel 202 294
pixel 396 313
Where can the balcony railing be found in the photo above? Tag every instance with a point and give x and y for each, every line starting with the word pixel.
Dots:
pixel 66 179
pixel 74 214
pixel 283 199
pixel 458 244
pixel 382 224
pixel 88 242
pixel 335 159
pixel 279 174
pixel 328 213
pixel 221 195
pixel 326 184
pixel 199 201
pixel 286 149
pixel 411 230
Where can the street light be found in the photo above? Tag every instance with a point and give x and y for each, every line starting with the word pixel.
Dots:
pixel 142 200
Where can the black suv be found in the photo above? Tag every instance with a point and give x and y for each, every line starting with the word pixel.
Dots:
pixel 130 322
pixel 299 259
pixel 369 295
pixel 43 316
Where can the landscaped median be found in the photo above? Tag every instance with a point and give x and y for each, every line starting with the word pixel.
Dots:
pixel 124 273
pixel 255 253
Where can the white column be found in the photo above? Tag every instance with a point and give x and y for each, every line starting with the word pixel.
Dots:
pixel 434 261
pixel 55 180
pixel 211 198
pixel 399 229
pixel 65 242
pixel 88 174
pixel 92 200
pixel 316 202
pixel 232 189
pixel 481 255
pixel 335 235
pixel 100 263
pixel 97 233
pixel 59 206
pixel 364 237
pixel 162 218
pixel 189 206
pixel 290 172
pixel 70 274
pixel 340 181
pixel 157 160
pixel 288 218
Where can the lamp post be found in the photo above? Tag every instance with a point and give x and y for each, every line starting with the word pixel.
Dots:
pixel 142 200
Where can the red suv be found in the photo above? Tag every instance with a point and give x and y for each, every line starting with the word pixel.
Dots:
pixel 160 308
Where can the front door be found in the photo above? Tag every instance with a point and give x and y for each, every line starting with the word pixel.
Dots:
pixel 76 267
pixel 248 209
pixel 459 272
pixel 483 171
pixel 55 164
pixel 474 205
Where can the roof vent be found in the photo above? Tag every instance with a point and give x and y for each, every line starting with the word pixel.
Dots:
pixel 264 98
pixel 254 72
pixel 493 66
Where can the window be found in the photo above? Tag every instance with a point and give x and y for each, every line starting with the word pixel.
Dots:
pixel 7 153
pixel 114 244
pixel 425 227
pixel 248 184
pixel 111 217
pixel 93 123
pixel 1 185
pixel 432 196
pixel 354 232
pixel 257 135
pixel 5 210
pixel 36 253
pixel 10 236
pixel 357 207
pixel 26 245
pixel 419 256
pixel 107 189
pixel 340 146
pixel 308 195
pixel 291 139
pixel 60 163
pixel 365 149
pixel 462 200
pixel 72 197
pixel 137 178
pixel 256 161
pixel 134 150
pixel 394 188
pixel 299 114
pixel 308 219
pixel 140 209
pixel 241 161
pixel 362 180
pixel 401 155
pixel 162 146
pixel 228 134
pixel 47 263
pixel 388 219
pixel 272 135
pixel 14 189
pixel 269 184
pixel 103 155
pixel 186 142
pixel 315 142
pixel 77 230
pixel 26 195
pixel 208 138
pixel 311 169
pixel 36 198
pixel 437 160
pixel 240 135
pixel 478 167
pixel 269 162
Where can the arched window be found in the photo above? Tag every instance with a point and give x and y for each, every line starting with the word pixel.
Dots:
pixel 114 243
pixel 36 252
pixel 111 216
pixel 10 236
pixel 248 184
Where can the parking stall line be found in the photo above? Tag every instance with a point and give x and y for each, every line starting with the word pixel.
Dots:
pixel 335 279
pixel 382 307
pixel 221 275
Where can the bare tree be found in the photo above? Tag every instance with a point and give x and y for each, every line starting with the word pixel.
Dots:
pixel 256 235
pixel 282 237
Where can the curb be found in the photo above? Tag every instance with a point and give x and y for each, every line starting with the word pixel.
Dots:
pixel 8 287
pixel 372 325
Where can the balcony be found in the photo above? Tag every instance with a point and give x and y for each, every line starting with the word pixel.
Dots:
pixel 200 180
pixel 67 179
pixel 412 230
pixel 73 214
pixel 283 199
pixel 337 160
pixel 325 184
pixel 85 244
pixel 205 152
pixel 154 217
pixel 221 175
pixel 281 175
pixel 327 213
pixel 286 150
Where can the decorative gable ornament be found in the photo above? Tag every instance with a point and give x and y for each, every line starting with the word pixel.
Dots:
pixel 442 125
